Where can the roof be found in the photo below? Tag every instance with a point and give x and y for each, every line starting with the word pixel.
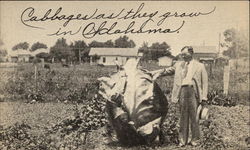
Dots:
pixel 40 50
pixel 205 49
pixel 206 59
pixel 18 52
pixel 163 57
pixel 113 52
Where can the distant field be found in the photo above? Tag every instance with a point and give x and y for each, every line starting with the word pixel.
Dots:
pixel 65 80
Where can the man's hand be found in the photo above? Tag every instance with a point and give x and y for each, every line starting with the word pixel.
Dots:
pixel 156 74
pixel 203 103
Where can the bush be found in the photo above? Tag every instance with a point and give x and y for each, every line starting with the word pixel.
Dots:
pixel 77 84
pixel 71 133
pixel 65 85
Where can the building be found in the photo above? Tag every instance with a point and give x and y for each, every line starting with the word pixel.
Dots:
pixel 12 58
pixel 166 60
pixel 205 53
pixel 112 56
pixel 3 58
pixel 24 57
pixel 21 55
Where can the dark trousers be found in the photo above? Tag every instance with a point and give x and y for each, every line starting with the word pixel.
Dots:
pixel 188 110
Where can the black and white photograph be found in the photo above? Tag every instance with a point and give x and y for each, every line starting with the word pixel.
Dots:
pixel 124 75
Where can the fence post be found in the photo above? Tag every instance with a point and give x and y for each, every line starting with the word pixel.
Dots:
pixel 226 77
pixel 210 69
pixel 36 77
pixel 14 70
pixel 42 59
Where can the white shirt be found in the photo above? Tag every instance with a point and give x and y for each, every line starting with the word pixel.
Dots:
pixel 190 73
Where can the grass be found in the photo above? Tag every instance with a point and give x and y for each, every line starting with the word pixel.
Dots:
pixel 41 116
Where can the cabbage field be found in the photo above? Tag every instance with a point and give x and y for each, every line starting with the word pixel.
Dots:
pixel 60 108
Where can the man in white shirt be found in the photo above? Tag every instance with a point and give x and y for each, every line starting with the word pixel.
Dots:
pixel 190 90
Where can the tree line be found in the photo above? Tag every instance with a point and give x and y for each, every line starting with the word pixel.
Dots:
pixel 236 43
pixel 155 51
pixel 3 52
pixel 79 50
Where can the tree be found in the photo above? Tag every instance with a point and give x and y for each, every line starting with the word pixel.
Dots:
pixel 23 45
pixel 96 44
pixel 95 58
pixel 124 42
pixel 236 42
pixel 158 46
pixel 43 55
pixel 3 52
pixel 145 50
pixel 61 50
pixel 79 47
pixel 155 51
pixel 109 43
pixel 38 45
pixel 159 50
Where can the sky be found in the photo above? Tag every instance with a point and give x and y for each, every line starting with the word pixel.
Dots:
pixel 200 30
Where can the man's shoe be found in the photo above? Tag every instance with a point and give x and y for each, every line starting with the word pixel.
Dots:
pixel 181 144
pixel 194 143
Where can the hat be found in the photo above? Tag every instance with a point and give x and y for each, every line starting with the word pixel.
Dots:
pixel 202 112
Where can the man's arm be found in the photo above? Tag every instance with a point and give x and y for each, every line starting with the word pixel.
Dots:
pixel 204 80
pixel 169 71
pixel 163 72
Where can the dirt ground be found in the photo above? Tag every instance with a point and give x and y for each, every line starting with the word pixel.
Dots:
pixel 230 124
